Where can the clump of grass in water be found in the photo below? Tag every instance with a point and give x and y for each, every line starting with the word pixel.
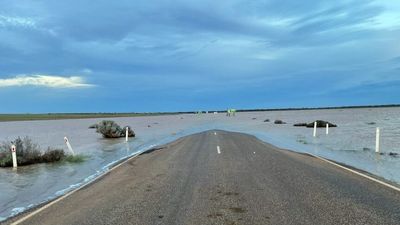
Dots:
pixel 75 158
pixel 302 141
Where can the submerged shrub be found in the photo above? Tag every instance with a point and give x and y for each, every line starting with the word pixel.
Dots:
pixel 321 124
pixel 5 159
pixel 110 129
pixel 279 122
pixel 53 155
pixel 28 153
pixel 93 126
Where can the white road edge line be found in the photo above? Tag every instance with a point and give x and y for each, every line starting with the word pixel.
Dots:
pixel 36 211
pixel 358 173
pixel 348 169
pixel 218 150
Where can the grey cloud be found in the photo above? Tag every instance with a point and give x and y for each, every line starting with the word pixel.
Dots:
pixel 149 37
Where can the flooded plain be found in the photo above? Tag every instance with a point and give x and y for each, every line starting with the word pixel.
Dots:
pixel 352 143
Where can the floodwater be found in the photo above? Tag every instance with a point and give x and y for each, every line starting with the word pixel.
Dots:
pixel 352 143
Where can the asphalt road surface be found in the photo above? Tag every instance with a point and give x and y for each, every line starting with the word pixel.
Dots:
pixel 219 177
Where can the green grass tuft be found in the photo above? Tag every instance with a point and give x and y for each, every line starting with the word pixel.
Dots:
pixel 75 158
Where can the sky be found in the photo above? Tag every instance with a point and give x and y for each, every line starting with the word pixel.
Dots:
pixel 156 56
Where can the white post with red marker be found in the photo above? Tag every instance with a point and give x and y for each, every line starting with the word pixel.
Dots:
pixel 14 155
pixel 69 145
pixel 126 134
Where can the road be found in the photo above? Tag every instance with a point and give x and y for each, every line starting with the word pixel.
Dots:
pixel 219 177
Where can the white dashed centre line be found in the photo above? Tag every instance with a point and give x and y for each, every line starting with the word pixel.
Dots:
pixel 218 150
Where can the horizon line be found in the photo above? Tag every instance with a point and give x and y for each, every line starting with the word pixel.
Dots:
pixel 238 110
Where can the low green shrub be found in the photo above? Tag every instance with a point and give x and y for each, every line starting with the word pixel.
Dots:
pixel 30 153
pixel 75 158
pixel 5 159
pixel 53 155
pixel 110 129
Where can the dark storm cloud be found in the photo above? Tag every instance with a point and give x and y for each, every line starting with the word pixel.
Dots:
pixel 158 47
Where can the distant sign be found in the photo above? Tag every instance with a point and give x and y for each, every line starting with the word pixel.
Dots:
pixel 13 148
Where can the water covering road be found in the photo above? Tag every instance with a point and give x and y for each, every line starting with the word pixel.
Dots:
pixel 219 177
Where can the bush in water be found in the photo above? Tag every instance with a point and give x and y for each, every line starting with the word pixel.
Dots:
pixel 30 153
pixel 279 122
pixel 110 129
pixel 93 126
pixel 53 155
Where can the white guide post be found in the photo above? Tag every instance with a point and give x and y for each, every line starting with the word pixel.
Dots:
pixel 14 156
pixel 69 145
pixel 315 129
pixel 126 134
pixel 377 145
pixel 327 128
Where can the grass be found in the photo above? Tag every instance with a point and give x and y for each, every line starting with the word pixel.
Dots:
pixel 75 158
pixel 62 116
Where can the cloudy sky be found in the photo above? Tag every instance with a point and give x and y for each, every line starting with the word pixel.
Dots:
pixel 124 56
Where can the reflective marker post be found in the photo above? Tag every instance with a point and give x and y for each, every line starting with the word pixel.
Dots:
pixel 69 145
pixel 14 156
pixel 327 128
pixel 126 134
pixel 377 145
pixel 315 129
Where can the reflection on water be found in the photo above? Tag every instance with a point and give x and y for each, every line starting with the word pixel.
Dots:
pixel 353 143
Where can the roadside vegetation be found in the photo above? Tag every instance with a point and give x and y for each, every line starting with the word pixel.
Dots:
pixel 62 116
pixel 75 158
pixel 30 153
pixel 110 129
